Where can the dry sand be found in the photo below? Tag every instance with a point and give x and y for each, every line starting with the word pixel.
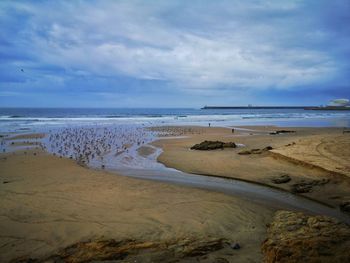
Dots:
pixel 330 152
pixel 49 203
pixel 322 154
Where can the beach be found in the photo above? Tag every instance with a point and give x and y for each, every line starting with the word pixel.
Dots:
pixel 50 203
pixel 174 131
pixel 57 206
pixel 317 156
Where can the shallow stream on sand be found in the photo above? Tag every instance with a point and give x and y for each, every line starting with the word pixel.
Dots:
pixel 264 195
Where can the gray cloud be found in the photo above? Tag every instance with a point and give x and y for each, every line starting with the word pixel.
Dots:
pixel 193 45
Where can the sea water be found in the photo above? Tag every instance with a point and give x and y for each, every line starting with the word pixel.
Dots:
pixel 41 119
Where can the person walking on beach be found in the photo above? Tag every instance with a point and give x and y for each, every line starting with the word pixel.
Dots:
pixel 209 124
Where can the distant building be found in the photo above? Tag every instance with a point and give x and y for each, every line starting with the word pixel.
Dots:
pixel 338 103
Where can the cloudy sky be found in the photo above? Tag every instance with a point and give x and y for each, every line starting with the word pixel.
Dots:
pixel 173 53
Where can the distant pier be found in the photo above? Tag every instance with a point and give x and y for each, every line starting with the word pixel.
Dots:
pixel 275 107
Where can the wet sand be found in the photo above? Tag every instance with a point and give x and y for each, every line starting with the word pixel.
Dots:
pixel 26 136
pixel 145 151
pixel 321 153
pixel 49 203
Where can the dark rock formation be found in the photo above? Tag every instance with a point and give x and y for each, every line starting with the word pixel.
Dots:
pixel 281 179
pixel 230 145
pixel 301 188
pixel 246 152
pixel 235 246
pixel 134 251
pixel 295 237
pixel 267 148
pixel 345 206
pixel 201 248
pixel 213 145
pixel 306 187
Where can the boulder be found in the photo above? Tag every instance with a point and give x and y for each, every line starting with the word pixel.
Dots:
pixel 267 148
pixel 296 237
pixel 301 188
pixel 306 186
pixel 213 145
pixel 281 179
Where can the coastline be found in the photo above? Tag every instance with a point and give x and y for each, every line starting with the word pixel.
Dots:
pixel 150 214
pixel 262 168
pixel 292 153
pixel 296 154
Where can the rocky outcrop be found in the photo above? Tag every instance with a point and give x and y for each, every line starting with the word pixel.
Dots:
pixel 256 151
pixel 213 145
pixel 281 179
pixel 296 237
pixel 306 186
pixel 135 251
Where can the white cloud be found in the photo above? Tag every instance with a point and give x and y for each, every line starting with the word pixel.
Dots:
pixel 223 47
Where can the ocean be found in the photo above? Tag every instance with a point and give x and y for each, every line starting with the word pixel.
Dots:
pixel 37 119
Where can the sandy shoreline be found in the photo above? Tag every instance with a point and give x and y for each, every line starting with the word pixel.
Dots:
pixel 50 203
pixel 309 166
pixel 45 209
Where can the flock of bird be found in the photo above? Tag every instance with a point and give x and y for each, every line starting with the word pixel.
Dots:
pixel 97 146
pixel 173 131
pixel 93 145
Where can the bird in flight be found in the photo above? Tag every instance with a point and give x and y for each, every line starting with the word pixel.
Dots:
pixel 22 69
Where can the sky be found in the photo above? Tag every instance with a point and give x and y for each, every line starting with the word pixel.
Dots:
pixel 173 53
